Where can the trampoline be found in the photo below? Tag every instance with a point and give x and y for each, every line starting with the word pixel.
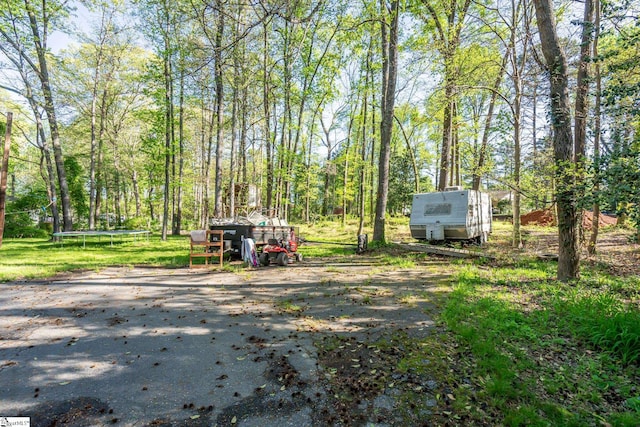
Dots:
pixel 99 233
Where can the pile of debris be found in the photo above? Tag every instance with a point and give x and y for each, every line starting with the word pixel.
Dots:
pixel 254 218
pixel 547 218
pixel 604 220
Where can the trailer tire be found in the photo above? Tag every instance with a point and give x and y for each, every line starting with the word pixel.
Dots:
pixel 264 259
pixel 299 257
pixel 282 259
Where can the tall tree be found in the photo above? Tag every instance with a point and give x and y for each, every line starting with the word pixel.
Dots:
pixel 41 137
pixel 595 227
pixel 448 17
pixel 18 32
pixel 4 170
pixel 389 35
pixel 582 97
pixel 568 253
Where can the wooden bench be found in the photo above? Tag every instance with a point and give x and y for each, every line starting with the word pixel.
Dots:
pixel 206 244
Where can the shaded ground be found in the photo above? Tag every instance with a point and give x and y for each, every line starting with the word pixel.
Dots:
pixel 615 252
pixel 312 344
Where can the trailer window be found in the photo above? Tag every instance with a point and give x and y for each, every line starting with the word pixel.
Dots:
pixel 437 209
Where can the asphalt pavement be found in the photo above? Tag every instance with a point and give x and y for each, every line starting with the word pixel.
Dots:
pixel 156 347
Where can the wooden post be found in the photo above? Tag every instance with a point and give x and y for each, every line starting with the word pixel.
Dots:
pixel 3 173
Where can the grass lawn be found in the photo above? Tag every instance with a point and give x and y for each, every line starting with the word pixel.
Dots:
pixel 37 258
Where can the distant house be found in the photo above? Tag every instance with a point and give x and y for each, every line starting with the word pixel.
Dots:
pixel 501 201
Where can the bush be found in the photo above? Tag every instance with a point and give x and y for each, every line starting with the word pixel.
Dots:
pixel 140 223
pixel 22 215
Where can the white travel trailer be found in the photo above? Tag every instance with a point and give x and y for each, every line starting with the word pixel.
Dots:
pixel 453 214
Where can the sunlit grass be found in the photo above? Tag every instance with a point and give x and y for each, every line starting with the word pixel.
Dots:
pixel 36 258
pixel 532 341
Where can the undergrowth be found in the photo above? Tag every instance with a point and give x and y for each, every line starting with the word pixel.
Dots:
pixel 539 352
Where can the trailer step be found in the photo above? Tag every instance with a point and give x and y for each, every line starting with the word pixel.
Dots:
pixel 440 250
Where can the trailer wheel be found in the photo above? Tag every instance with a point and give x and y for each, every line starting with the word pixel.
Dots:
pixel 264 259
pixel 282 259
pixel 298 257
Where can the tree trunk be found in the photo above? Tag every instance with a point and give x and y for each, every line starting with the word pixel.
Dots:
pixel 518 59
pixel 329 169
pixel 167 127
pixel 100 173
pixel 363 149
pixel 568 255
pixel 92 154
pixel 389 77
pixel 234 124
pixel 581 105
pixel 93 192
pixel 447 129
pixel 49 108
pixel 267 118
pixel 4 169
pixel 478 169
pixel 345 172
pixel 218 69
pixel 412 156
pixel 136 192
pixel 50 179
pixel 207 169
pixel 177 224
pixel 516 236
pixel 595 226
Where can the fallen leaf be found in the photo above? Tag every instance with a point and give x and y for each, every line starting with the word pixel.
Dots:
pixel 194 417
pixel 234 420
pixel 450 396
pixel 65 383
pixel 241 357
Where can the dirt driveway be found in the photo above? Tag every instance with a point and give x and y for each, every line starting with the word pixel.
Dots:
pixel 311 344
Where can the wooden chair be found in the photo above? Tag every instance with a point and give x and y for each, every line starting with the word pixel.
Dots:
pixel 206 244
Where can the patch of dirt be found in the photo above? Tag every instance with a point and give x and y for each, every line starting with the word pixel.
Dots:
pixel 362 389
pixel 78 412
pixel 616 253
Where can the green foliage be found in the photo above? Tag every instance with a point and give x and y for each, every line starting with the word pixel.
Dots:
pixel 401 183
pixel 530 341
pixel 22 215
pixel 77 191
pixel 621 183
pixel 140 223
pixel 605 321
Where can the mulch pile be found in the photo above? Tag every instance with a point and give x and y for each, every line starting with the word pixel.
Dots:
pixel 540 217
pixel 604 220
pixel 546 218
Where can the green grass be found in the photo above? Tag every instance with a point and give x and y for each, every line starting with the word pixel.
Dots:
pixel 288 306
pixel 536 351
pixel 37 258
